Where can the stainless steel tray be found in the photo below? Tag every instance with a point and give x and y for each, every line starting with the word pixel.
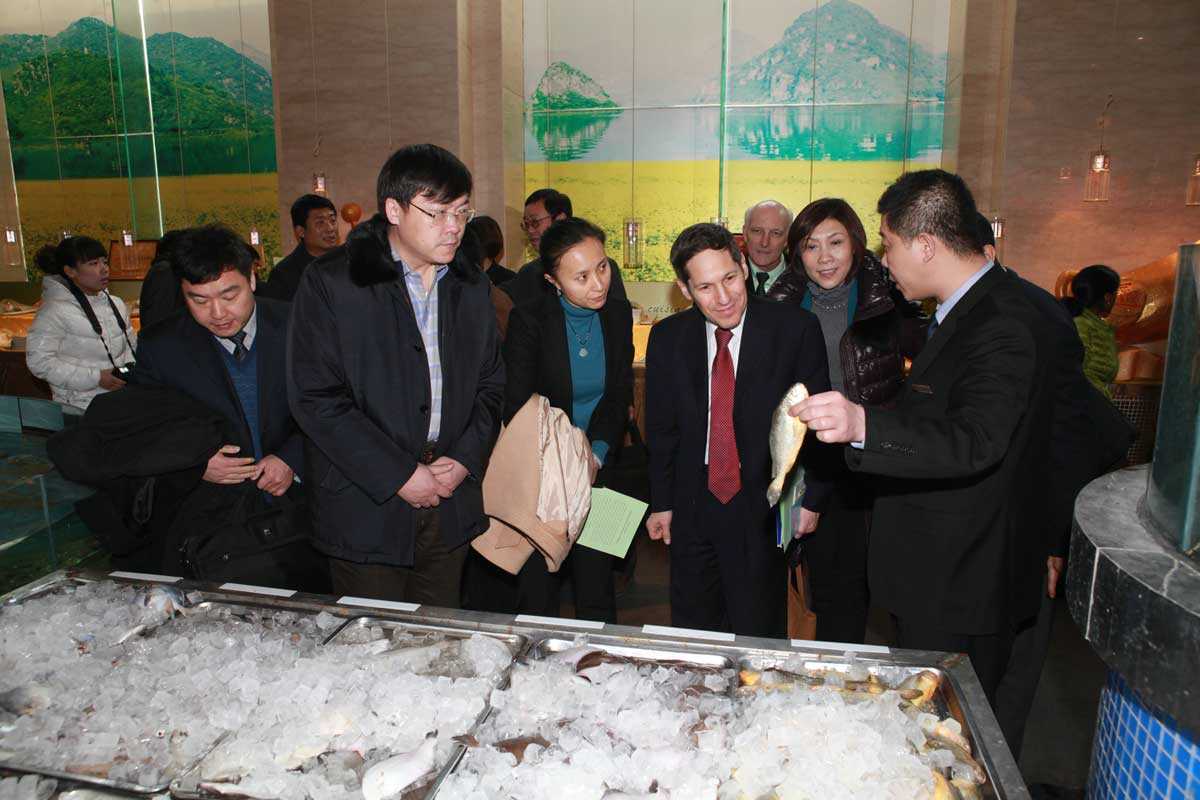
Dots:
pixel 187 786
pixel 57 582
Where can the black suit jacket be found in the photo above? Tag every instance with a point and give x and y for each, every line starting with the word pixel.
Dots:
pixel 536 360
pixel 285 277
pixel 358 383
pixel 179 353
pixel 1089 435
pixel 781 345
pixel 956 541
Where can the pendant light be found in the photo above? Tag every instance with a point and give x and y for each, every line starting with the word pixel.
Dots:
pixel 1095 185
pixel 1193 183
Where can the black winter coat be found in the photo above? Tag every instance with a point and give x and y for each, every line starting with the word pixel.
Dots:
pixel 358 384
pixel 886 330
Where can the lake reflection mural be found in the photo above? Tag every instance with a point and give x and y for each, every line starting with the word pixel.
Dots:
pixel 678 111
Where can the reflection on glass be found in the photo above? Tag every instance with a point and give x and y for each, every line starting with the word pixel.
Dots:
pixel 568 136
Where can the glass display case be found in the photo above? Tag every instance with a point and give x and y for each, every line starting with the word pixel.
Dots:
pixel 1173 494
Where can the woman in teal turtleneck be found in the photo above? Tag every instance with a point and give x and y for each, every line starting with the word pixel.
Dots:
pixel 575 348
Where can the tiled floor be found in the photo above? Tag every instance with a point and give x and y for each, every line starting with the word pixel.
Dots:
pixel 1058 738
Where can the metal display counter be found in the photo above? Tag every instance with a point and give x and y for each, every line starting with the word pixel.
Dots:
pixel 959 691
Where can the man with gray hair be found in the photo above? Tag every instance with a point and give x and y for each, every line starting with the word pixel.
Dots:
pixel 764 230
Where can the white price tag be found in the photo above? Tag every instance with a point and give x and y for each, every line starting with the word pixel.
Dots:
pixel 690 633
pixel 270 591
pixel 840 647
pixel 144 576
pixel 584 624
pixel 367 602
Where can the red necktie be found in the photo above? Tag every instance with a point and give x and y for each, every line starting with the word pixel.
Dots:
pixel 724 469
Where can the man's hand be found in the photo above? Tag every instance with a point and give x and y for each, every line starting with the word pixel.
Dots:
pixel 276 477
pixel 1054 569
pixel 659 526
pixel 110 381
pixel 224 468
pixel 449 473
pixel 422 490
pixel 593 469
pixel 833 417
pixel 808 522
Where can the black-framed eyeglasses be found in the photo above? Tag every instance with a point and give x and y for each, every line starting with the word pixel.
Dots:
pixel 532 222
pixel 440 218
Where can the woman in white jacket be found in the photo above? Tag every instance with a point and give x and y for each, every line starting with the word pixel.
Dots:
pixel 81 334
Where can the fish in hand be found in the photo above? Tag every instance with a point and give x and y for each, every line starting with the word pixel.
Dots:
pixel 787 435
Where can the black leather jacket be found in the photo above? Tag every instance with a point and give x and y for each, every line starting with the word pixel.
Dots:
pixel 886 329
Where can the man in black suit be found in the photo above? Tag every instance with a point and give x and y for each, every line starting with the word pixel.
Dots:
pixel 543 208
pixel 1088 437
pixel 714 375
pixel 225 349
pixel 956 553
pixel 314 223
pixel 395 375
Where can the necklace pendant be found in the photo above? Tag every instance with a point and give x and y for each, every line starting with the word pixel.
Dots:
pixel 583 351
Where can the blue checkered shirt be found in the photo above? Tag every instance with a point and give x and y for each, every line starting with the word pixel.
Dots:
pixel 425 308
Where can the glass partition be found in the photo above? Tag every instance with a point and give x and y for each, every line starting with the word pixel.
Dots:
pixel 675 112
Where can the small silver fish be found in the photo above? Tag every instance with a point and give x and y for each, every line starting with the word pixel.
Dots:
pixel 787 435
pixel 392 776
pixel 24 700
pixel 162 603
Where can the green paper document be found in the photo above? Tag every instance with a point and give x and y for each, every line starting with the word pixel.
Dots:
pixel 612 523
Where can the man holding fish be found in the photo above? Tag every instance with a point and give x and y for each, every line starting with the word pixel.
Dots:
pixel 714 375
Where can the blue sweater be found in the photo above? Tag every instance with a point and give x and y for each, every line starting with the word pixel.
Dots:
pixel 245 382
pixel 584 332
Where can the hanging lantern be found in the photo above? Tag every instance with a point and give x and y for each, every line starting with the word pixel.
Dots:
pixel 997 228
pixel 1193 183
pixel 633 242
pixel 255 239
pixel 1095 186
pixel 318 183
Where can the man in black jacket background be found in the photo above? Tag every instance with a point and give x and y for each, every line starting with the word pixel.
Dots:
pixel 957 554
pixel 394 373
pixel 314 223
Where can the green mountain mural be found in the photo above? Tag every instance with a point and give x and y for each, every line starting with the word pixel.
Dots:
pixel 567 88
pixel 93 77
pixel 856 60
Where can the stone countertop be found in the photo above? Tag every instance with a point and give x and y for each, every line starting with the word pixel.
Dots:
pixel 1135 597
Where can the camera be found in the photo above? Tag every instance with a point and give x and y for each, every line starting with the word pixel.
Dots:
pixel 124 371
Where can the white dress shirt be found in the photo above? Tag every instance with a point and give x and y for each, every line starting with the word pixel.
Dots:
pixel 735 347
pixel 251 328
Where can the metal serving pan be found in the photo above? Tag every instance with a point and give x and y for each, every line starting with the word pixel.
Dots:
pixel 187 786
pixel 61 580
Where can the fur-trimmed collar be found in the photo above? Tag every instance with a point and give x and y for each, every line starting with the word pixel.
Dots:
pixel 370 256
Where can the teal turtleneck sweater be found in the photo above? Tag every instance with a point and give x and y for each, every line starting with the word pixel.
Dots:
pixel 585 334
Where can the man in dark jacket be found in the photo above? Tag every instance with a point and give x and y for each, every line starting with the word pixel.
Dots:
pixel 226 350
pixel 394 373
pixel 956 554
pixel 314 222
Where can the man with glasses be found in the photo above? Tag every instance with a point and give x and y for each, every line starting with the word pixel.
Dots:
pixel 543 208
pixel 394 373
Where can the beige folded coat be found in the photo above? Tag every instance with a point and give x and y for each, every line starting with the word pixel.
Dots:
pixel 537 489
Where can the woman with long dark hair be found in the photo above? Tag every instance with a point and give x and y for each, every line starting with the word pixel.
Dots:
pixel 1093 294
pixel 82 336
pixel 869 330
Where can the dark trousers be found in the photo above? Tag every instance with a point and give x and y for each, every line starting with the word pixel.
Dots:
pixel 1014 698
pixel 486 587
pixel 727 574
pixel 591 574
pixel 836 553
pixel 988 653
pixel 435 578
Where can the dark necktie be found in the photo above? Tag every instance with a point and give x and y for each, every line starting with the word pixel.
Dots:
pixel 933 326
pixel 239 346
pixel 724 468
pixel 761 277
